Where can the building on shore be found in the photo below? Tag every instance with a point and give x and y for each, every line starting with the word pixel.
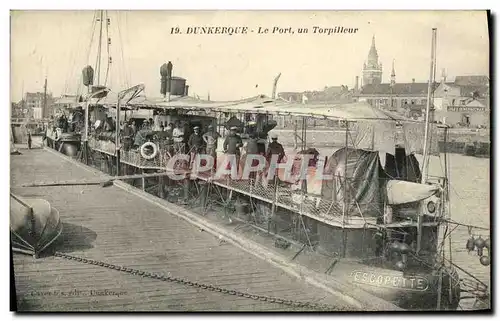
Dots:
pixel 464 102
pixel 38 104
pixel 406 98
pixel 329 95
pixel 19 110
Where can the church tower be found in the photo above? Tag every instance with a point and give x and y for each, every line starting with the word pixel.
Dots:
pixel 372 69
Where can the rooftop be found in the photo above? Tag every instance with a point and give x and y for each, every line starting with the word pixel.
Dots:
pixel 408 89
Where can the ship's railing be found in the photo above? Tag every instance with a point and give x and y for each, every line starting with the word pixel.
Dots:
pixel 314 206
pixel 133 157
pixel 102 146
pixel 20 120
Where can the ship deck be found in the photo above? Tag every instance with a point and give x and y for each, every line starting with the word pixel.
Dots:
pixel 115 226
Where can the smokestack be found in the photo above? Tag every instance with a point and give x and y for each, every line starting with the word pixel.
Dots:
pixel 169 77
pixel 356 85
pixel 186 90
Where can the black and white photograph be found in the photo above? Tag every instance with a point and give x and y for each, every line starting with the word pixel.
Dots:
pixel 250 161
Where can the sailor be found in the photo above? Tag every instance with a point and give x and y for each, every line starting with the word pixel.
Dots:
pixel 77 119
pixel 261 143
pixel 109 125
pixel 29 139
pixel 252 148
pixel 275 148
pixel 178 135
pixel 252 145
pixel 232 144
pixel 146 125
pixel 210 139
pixel 127 134
pixel 65 124
pixel 195 141
pixel 133 127
pixel 251 128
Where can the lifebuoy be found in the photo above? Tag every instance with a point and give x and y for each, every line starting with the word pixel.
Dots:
pixel 153 154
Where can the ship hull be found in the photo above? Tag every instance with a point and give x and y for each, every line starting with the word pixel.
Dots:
pixel 67 143
pixel 413 289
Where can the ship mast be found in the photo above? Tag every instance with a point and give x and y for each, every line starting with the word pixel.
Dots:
pixel 430 96
pixel 99 45
pixel 44 98
pixel 427 135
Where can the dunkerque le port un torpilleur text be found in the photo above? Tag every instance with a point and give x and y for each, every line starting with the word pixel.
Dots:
pixel 274 30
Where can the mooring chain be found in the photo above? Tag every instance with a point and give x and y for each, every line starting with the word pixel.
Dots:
pixel 208 287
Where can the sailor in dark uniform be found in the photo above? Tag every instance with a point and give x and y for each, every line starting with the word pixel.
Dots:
pixel 232 145
pixel 29 139
pixel 195 143
pixel 275 148
pixel 252 149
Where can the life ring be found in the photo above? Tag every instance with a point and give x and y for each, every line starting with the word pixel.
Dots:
pixel 153 154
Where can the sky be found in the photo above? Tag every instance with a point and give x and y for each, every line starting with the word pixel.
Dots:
pixel 57 45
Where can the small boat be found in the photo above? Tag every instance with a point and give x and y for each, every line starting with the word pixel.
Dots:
pixel 34 225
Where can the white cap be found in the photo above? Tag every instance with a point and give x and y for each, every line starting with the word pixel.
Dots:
pixel 196 127
pixel 274 136
pixel 234 128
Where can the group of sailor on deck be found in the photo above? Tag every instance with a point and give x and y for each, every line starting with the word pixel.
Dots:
pixel 178 137
pixel 189 139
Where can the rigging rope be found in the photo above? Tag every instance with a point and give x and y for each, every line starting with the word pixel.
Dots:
pixel 71 64
pixel 108 43
pixel 466 225
pixel 87 55
pixel 125 74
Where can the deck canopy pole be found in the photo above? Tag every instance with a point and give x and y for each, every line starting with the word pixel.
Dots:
pixel 344 211
pixel 86 136
pixel 304 132
pixel 303 147
pixel 117 138
pixel 447 191
pixel 295 127
pixel 135 90
pixel 86 133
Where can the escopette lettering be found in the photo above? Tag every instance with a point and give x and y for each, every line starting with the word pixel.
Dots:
pixel 416 283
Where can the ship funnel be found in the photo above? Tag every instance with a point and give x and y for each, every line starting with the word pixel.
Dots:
pixel 166 78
